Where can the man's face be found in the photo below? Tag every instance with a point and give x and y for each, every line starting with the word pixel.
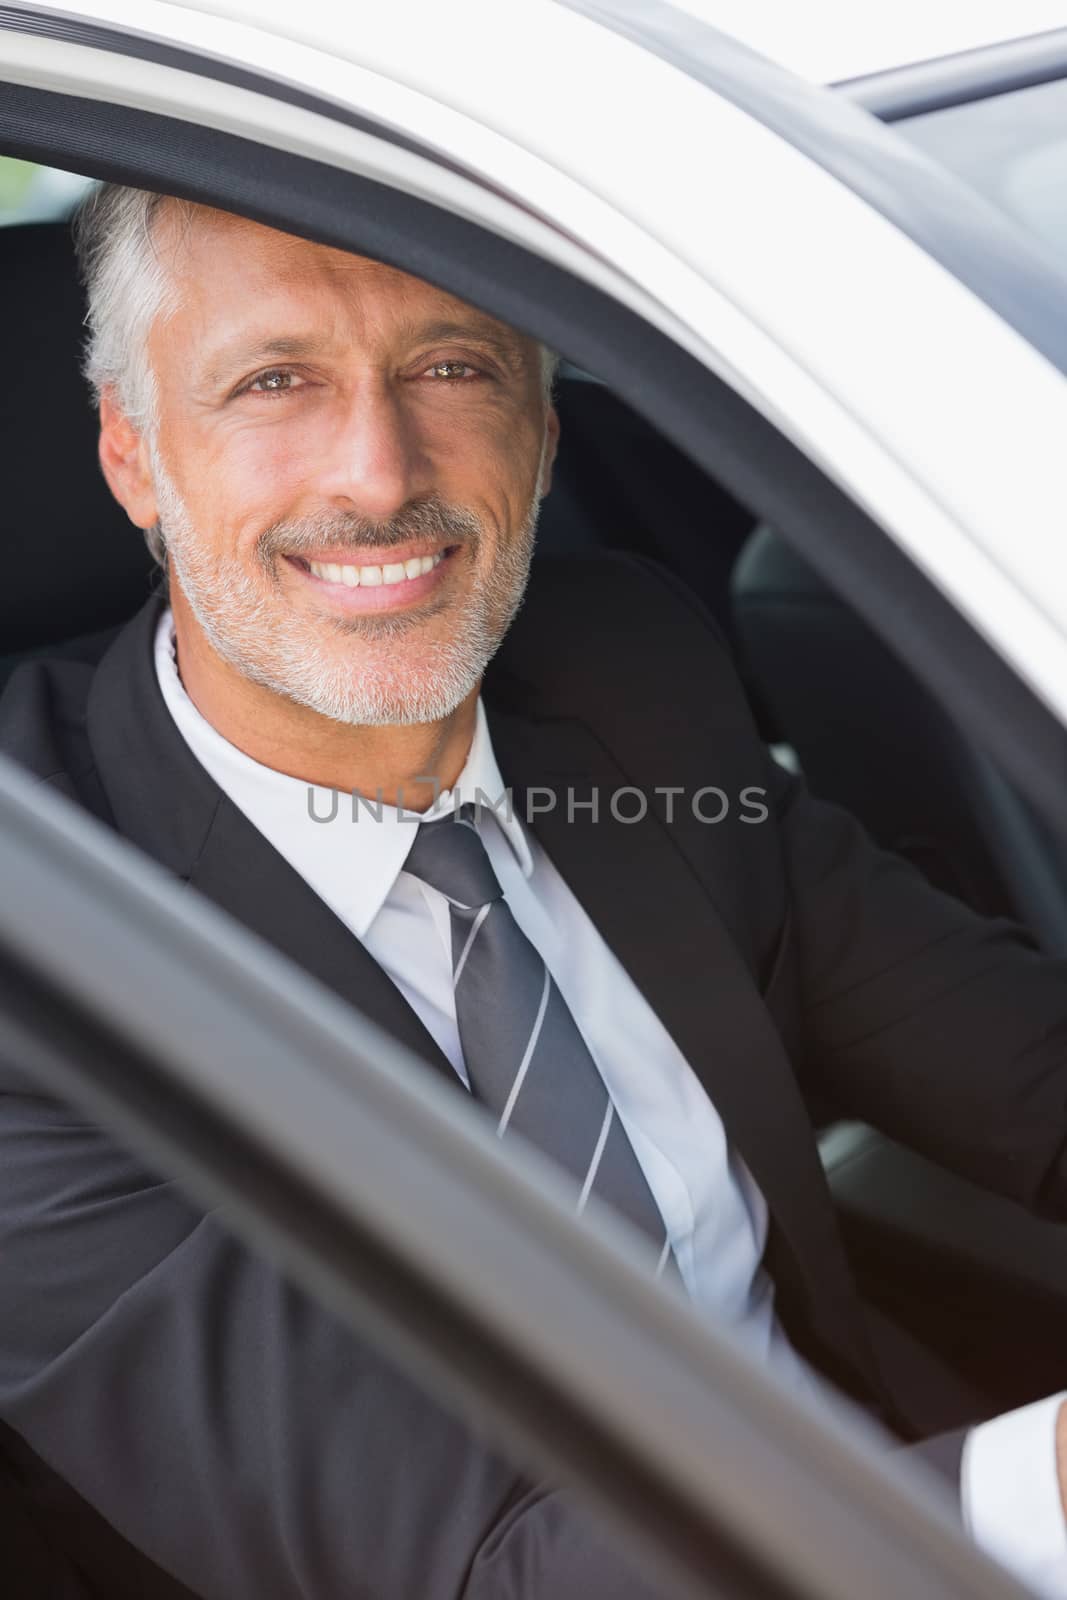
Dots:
pixel 347 468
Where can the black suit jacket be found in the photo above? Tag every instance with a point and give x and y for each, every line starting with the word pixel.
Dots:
pixel 230 1429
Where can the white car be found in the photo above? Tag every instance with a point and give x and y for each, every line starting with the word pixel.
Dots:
pixel 835 312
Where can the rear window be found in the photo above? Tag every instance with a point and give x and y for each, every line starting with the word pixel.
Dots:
pixel 31 193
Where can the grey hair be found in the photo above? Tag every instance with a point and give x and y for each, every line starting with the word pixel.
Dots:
pixel 128 287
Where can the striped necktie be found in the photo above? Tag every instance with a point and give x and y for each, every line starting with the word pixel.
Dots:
pixel 525 1057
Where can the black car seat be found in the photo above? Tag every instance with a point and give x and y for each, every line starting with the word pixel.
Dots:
pixel 74 562
pixel 869 736
pixel 621 484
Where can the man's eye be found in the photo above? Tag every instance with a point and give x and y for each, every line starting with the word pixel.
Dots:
pixel 279 380
pixel 453 371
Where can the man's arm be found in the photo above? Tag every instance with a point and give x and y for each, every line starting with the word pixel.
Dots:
pixel 228 1427
pixel 945 1030
pixel 1014 1492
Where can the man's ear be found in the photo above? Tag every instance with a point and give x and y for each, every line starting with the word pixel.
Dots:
pixel 551 446
pixel 125 463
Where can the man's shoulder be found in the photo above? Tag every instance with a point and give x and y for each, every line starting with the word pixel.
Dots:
pixel 605 591
pixel 43 708
pixel 605 624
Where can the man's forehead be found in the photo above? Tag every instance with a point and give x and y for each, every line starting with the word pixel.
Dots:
pixel 199 241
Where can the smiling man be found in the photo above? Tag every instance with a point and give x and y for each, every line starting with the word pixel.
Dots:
pixel 339 467
pixel 346 537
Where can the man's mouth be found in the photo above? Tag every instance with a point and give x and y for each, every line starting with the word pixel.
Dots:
pixel 370 576
pixel 378 585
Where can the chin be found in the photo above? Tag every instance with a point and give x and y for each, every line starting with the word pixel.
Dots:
pixel 373 694
pixel 388 708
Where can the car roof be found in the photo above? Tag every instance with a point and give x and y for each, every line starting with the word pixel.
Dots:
pixel 829 41
pixel 825 41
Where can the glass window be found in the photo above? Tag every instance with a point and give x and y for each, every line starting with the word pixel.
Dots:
pixel 31 193
pixel 1011 148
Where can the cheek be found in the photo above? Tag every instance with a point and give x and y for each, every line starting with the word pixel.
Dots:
pixel 247 482
pixel 494 471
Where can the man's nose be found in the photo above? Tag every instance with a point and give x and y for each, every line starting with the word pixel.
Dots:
pixel 375 463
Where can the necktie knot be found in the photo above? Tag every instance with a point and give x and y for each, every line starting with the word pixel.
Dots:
pixel 449 855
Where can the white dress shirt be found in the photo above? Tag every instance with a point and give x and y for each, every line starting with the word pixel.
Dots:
pixel 353 857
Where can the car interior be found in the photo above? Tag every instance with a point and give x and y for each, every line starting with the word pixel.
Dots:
pixel 973 1277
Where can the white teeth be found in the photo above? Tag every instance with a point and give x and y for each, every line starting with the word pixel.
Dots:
pixel 368 577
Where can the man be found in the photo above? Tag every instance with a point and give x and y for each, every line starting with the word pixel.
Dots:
pixel 341 468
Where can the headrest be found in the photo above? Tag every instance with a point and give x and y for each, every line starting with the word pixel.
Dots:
pixel 770 569
pixel 73 562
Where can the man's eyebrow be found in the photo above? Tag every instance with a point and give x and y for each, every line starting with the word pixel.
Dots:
pixel 488 334
pixel 236 357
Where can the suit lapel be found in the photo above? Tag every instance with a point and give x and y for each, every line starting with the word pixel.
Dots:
pixel 242 872
pixel 662 924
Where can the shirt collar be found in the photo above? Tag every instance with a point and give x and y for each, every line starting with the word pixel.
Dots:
pixel 349 852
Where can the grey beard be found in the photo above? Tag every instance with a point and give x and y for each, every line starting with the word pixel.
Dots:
pixel 274 651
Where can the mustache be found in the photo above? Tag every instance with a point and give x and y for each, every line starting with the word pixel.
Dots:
pixel 324 531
